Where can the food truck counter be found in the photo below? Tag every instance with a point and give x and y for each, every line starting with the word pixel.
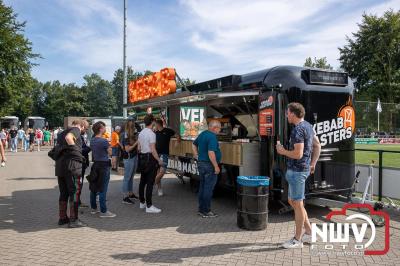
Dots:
pixel 246 155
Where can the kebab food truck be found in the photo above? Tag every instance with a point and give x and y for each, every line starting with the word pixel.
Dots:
pixel 252 111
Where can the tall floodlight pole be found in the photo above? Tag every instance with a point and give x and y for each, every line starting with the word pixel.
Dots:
pixel 124 87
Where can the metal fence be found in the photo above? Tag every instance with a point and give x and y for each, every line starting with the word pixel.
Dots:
pixel 391 180
pixel 367 119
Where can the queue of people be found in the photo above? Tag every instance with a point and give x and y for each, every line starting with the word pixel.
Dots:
pixel 148 152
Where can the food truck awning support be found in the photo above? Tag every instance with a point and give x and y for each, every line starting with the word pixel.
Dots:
pixel 186 97
pixel 181 82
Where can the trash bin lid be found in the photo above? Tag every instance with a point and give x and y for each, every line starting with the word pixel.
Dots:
pixel 253 181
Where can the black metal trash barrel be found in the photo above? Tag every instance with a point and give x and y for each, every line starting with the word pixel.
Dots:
pixel 252 198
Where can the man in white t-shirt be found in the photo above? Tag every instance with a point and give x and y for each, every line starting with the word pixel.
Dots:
pixel 149 162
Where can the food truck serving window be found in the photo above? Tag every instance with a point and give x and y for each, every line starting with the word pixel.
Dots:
pixel 312 76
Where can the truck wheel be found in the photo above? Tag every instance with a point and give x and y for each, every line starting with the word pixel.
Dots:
pixel 194 185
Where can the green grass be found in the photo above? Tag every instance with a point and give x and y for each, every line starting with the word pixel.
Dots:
pixel 388 159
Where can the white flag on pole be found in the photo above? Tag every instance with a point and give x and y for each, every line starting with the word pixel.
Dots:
pixel 379 106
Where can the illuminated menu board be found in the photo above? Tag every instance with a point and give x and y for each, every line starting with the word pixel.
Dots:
pixel 192 122
pixel 150 86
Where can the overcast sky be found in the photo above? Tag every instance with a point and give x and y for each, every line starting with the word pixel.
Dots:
pixel 202 39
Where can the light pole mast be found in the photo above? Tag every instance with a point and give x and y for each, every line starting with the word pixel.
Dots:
pixel 124 87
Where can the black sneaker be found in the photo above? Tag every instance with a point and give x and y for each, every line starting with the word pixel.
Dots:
pixel 63 221
pixel 76 224
pixel 133 196
pixel 209 214
pixel 127 200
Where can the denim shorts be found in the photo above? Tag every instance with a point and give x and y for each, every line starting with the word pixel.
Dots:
pixel 164 158
pixel 296 182
pixel 114 151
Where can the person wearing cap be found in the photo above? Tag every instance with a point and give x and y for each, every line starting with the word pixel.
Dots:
pixel 115 145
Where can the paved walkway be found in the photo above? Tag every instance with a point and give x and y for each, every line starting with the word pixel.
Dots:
pixel 29 234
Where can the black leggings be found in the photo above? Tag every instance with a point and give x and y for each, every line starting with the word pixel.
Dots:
pixel 147 178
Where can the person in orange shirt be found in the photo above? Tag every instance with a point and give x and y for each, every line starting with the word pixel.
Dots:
pixel 115 144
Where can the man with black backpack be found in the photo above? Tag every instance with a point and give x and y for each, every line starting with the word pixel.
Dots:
pixel 69 160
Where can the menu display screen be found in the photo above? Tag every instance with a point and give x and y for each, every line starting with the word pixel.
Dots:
pixel 192 122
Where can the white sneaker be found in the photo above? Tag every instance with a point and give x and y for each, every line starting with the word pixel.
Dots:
pixel 160 192
pixel 153 209
pixel 3 164
pixel 292 243
pixel 107 214
pixel 306 238
pixel 94 211
pixel 142 205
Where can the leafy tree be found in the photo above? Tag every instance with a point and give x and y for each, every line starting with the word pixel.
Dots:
pixel 317 63
pixel 186 82
pixel 99 95
pixel 75 100
pixel 15 64
pixel 372 57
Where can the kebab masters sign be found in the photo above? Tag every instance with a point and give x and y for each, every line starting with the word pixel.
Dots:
pixel 339 128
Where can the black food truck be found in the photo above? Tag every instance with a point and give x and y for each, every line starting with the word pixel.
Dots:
pixel 252 111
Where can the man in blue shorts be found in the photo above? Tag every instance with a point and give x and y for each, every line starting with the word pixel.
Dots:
pixel 302 156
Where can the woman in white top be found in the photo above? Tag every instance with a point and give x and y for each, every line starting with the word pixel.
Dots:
pixel 149 161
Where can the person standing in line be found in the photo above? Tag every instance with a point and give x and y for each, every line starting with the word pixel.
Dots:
pixel 85 152
pixel 130 152
pixel 101 152
pixel 31 140
pixel 13 140
pixel 302 156
pixel 115 145
pixel 149 162
pixel 3 155
pixel 163 137
pixel 68 171
pixel 21 138
pixel 206 150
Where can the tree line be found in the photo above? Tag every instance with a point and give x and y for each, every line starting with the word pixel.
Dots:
pixel 371 57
